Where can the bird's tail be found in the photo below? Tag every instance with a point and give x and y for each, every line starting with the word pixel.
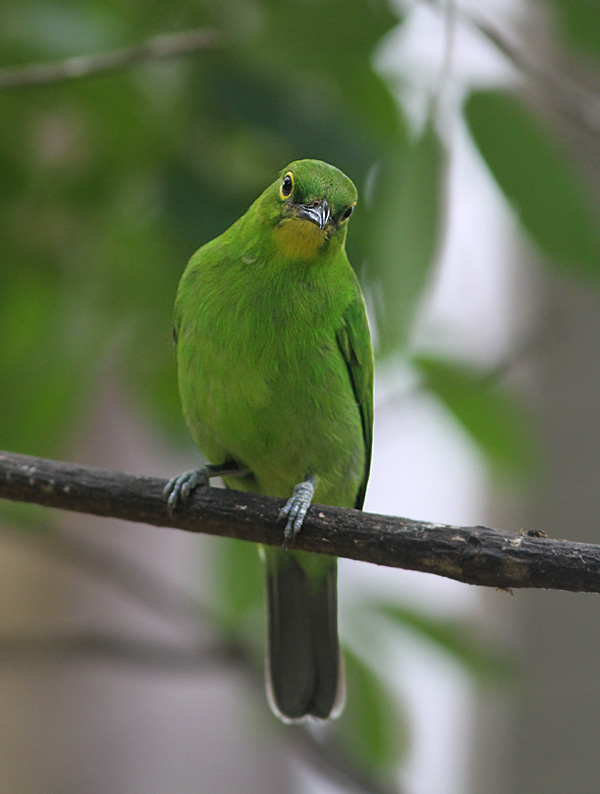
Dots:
pixel 304 668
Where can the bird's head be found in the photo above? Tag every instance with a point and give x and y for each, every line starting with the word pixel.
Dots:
pixel 308 207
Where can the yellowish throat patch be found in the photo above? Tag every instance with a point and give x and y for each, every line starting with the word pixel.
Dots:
pixel 299 239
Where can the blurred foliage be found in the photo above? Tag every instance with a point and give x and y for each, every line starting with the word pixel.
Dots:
pixel 539 179
pixel 579 23
pixel 239 580
pixel 494 419
pixel 487 664
pixel 406 224
pixel 109 184
pixel 371 725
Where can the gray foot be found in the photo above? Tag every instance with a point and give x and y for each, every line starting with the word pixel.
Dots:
pixel 180 487
pixel 295 509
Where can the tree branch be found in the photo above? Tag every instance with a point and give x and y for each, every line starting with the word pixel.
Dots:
pixel 578 103
pixel 474 555
pixel 167 45
pixel 99 645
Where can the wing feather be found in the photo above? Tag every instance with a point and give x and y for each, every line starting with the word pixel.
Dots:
pixel 354 342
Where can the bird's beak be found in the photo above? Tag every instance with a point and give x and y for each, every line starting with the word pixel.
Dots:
pixel 318 212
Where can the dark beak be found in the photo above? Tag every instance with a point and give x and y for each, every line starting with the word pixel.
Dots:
pixel 318 212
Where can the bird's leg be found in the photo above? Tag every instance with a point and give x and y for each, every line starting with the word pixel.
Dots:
pixel 179 488
pixel 296 507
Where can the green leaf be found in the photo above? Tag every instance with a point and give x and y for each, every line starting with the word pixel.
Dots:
pixel 44 360
pixel 330 46
pixel 23 516
pixel 493 419
pixel 405 229
pixel 371 725
pixel 486 663
pixel 239 585
pixel 580 23
pixel 538 178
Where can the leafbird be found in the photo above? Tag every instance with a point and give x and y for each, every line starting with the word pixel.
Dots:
pixel 275 371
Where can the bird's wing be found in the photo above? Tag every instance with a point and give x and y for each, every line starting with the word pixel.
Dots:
pixel 354 342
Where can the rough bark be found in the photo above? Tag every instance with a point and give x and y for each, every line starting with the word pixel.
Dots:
pixel 474 555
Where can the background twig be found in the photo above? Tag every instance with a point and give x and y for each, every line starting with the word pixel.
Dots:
pixel 151 656
pixel 167 45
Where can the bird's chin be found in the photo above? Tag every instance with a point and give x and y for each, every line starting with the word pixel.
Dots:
pixel 299 238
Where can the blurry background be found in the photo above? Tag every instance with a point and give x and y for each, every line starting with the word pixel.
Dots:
pixel 130 657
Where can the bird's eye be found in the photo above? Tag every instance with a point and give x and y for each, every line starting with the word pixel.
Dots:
pixel 348 212
pixel 287 185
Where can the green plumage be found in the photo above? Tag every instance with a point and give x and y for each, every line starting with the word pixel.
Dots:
pixel 275 374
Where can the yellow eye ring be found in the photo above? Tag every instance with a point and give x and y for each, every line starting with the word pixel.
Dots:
pixel 287 185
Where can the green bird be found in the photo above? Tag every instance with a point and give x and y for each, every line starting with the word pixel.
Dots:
pixel 275 371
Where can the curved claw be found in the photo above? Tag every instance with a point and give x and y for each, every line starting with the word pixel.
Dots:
pixel 180 487
pixel 295 509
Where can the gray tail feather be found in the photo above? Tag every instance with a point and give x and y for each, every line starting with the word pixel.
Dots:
pixel 304 665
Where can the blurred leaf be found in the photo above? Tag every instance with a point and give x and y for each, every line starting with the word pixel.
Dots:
pixel 539 179
pixel 405 228
pixel 311 43
pixel 487 664
pixel 240 586
pixel 371 724
pixel 580 22
pixel 492 418
pixel 24 517
pixel 44 359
